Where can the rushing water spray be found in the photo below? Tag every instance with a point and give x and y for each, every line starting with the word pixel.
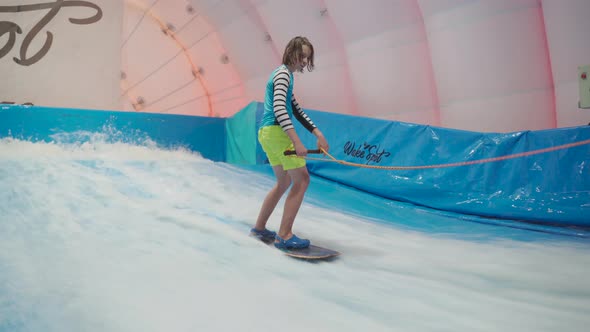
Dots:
pixel 106 235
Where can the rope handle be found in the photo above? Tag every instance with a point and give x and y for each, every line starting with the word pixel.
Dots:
pixel 292 152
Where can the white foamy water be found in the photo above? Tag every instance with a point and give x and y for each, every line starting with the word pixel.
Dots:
pixel 116 237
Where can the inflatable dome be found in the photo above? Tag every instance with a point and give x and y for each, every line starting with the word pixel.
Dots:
pixel 480 65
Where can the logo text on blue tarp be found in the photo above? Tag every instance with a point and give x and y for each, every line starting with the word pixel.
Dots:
pixel 369 152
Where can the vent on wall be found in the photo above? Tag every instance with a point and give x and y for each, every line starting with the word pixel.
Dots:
pixel 584 86
pixel 199 72
pixel 139 103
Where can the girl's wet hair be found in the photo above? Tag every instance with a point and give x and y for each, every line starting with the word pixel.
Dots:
pixel 294 52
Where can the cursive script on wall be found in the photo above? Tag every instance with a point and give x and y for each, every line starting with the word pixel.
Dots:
pixel 12 29
pixel 369 152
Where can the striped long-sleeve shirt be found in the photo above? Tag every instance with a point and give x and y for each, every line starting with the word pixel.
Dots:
pixel 280 103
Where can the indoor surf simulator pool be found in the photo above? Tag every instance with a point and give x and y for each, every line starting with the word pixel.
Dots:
pixel 117 221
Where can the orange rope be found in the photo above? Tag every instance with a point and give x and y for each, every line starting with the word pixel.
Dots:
pixel 463 163
pixel 186 52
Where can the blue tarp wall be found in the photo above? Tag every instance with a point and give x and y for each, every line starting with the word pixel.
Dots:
pixel 203 134
pixel 541 186
pixel 550 187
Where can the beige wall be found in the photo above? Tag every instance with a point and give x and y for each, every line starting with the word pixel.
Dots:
pixel 77 67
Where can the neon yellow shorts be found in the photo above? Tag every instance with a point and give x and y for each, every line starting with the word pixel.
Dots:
pixel 274 142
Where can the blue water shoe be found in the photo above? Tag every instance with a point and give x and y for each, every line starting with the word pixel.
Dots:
pixel 264 235
pixel 293 243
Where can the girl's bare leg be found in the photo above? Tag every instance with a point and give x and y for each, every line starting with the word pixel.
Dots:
pixel 273 197
pixel 300 179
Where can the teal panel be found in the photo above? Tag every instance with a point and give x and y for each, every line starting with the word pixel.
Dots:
pixel 241 136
